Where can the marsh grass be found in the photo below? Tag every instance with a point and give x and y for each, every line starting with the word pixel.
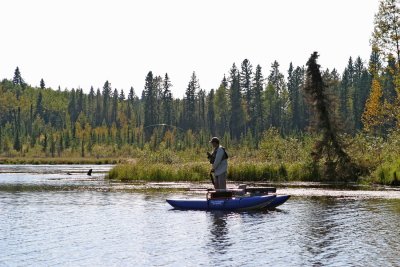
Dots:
pixel 160 172
pixel 199 171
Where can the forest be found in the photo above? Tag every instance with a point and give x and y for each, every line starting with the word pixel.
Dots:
pixel 262 116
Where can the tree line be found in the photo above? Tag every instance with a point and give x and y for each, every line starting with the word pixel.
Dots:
pixel 246 103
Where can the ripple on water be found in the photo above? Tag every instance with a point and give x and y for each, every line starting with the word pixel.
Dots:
pixel 316 227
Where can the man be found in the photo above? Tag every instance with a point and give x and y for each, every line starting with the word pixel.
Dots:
pixel 219 161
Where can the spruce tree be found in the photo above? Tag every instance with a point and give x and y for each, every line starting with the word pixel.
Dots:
pixel 17 80
pixel 121 96
pixel 190 103
pixel 389 80
pixel 39 105
pixel 337 163
pixel 114 107
pixel 359 95
pixel 201 110
pixel 150 102
pixel 42 84
pixel 375 63
pixel 222 113
pixel 131 102
pixel 277 94
pixel 236 123
pixel 224 82
pixel 91 107
pixel 99 112
pixel 246 86
pixel 79 101
pixel 258 114
pixel 211 113
pixel 167 100
pixel 106 103
pixel 72 107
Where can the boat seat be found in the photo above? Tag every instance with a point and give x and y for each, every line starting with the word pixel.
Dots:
pixel 219 194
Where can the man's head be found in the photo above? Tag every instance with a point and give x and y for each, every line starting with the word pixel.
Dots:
pixel 214 142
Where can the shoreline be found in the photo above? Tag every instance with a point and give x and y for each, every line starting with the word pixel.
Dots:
pixel 59 161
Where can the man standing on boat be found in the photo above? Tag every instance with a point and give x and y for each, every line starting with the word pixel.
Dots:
pixel 219 161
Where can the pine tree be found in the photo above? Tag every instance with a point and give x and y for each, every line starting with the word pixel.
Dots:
pixel 237 119
pixel 361 91
pixel 79 101
pixel 375 64
pixel 106 103
pixel 224 82
pixel 150 102
pixel 99 112
pixel 201 111
pixel 389 80
pixel 337 162
pixel 39 105
pixel 190 103
pixel 17 130
pixel 293 95
pixel 245 80
pixel 167 100
pixel 346 89
pixel 131 102
pixel 121 96
pixel 114 107
pixel 72 107
pixel 42 84
pixel 277 94
pixel 211 112
pixel 17 80
pixel 222 114
pixel 91 107
pixel 258 114
pixel 298 109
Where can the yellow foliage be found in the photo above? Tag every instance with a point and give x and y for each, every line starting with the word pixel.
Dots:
pixel 372 117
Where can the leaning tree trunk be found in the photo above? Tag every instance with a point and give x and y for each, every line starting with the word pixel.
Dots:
pixel 337 163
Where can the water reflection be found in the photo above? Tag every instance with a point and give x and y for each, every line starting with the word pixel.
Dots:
pixel 320 230
pixel 219 239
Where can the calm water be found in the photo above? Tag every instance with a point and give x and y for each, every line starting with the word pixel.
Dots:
pixel 50 218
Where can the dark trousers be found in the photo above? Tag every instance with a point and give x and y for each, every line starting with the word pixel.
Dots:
pixel 220 181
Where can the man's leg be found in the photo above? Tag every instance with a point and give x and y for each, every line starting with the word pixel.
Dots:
pixel 216 185
pixel 221 181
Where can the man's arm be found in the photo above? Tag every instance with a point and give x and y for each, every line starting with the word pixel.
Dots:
pixel 218 157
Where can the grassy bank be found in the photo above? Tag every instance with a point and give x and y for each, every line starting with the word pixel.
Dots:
pixel 276 159
pixel 194 172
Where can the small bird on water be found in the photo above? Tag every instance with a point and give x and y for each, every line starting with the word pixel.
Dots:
pixel 90 172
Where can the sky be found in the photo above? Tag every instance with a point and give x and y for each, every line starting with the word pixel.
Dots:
pixel 83 43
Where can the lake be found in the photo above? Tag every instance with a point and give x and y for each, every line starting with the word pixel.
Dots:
pixel 59 216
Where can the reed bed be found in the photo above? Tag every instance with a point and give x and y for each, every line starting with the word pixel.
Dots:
pixel 196 172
